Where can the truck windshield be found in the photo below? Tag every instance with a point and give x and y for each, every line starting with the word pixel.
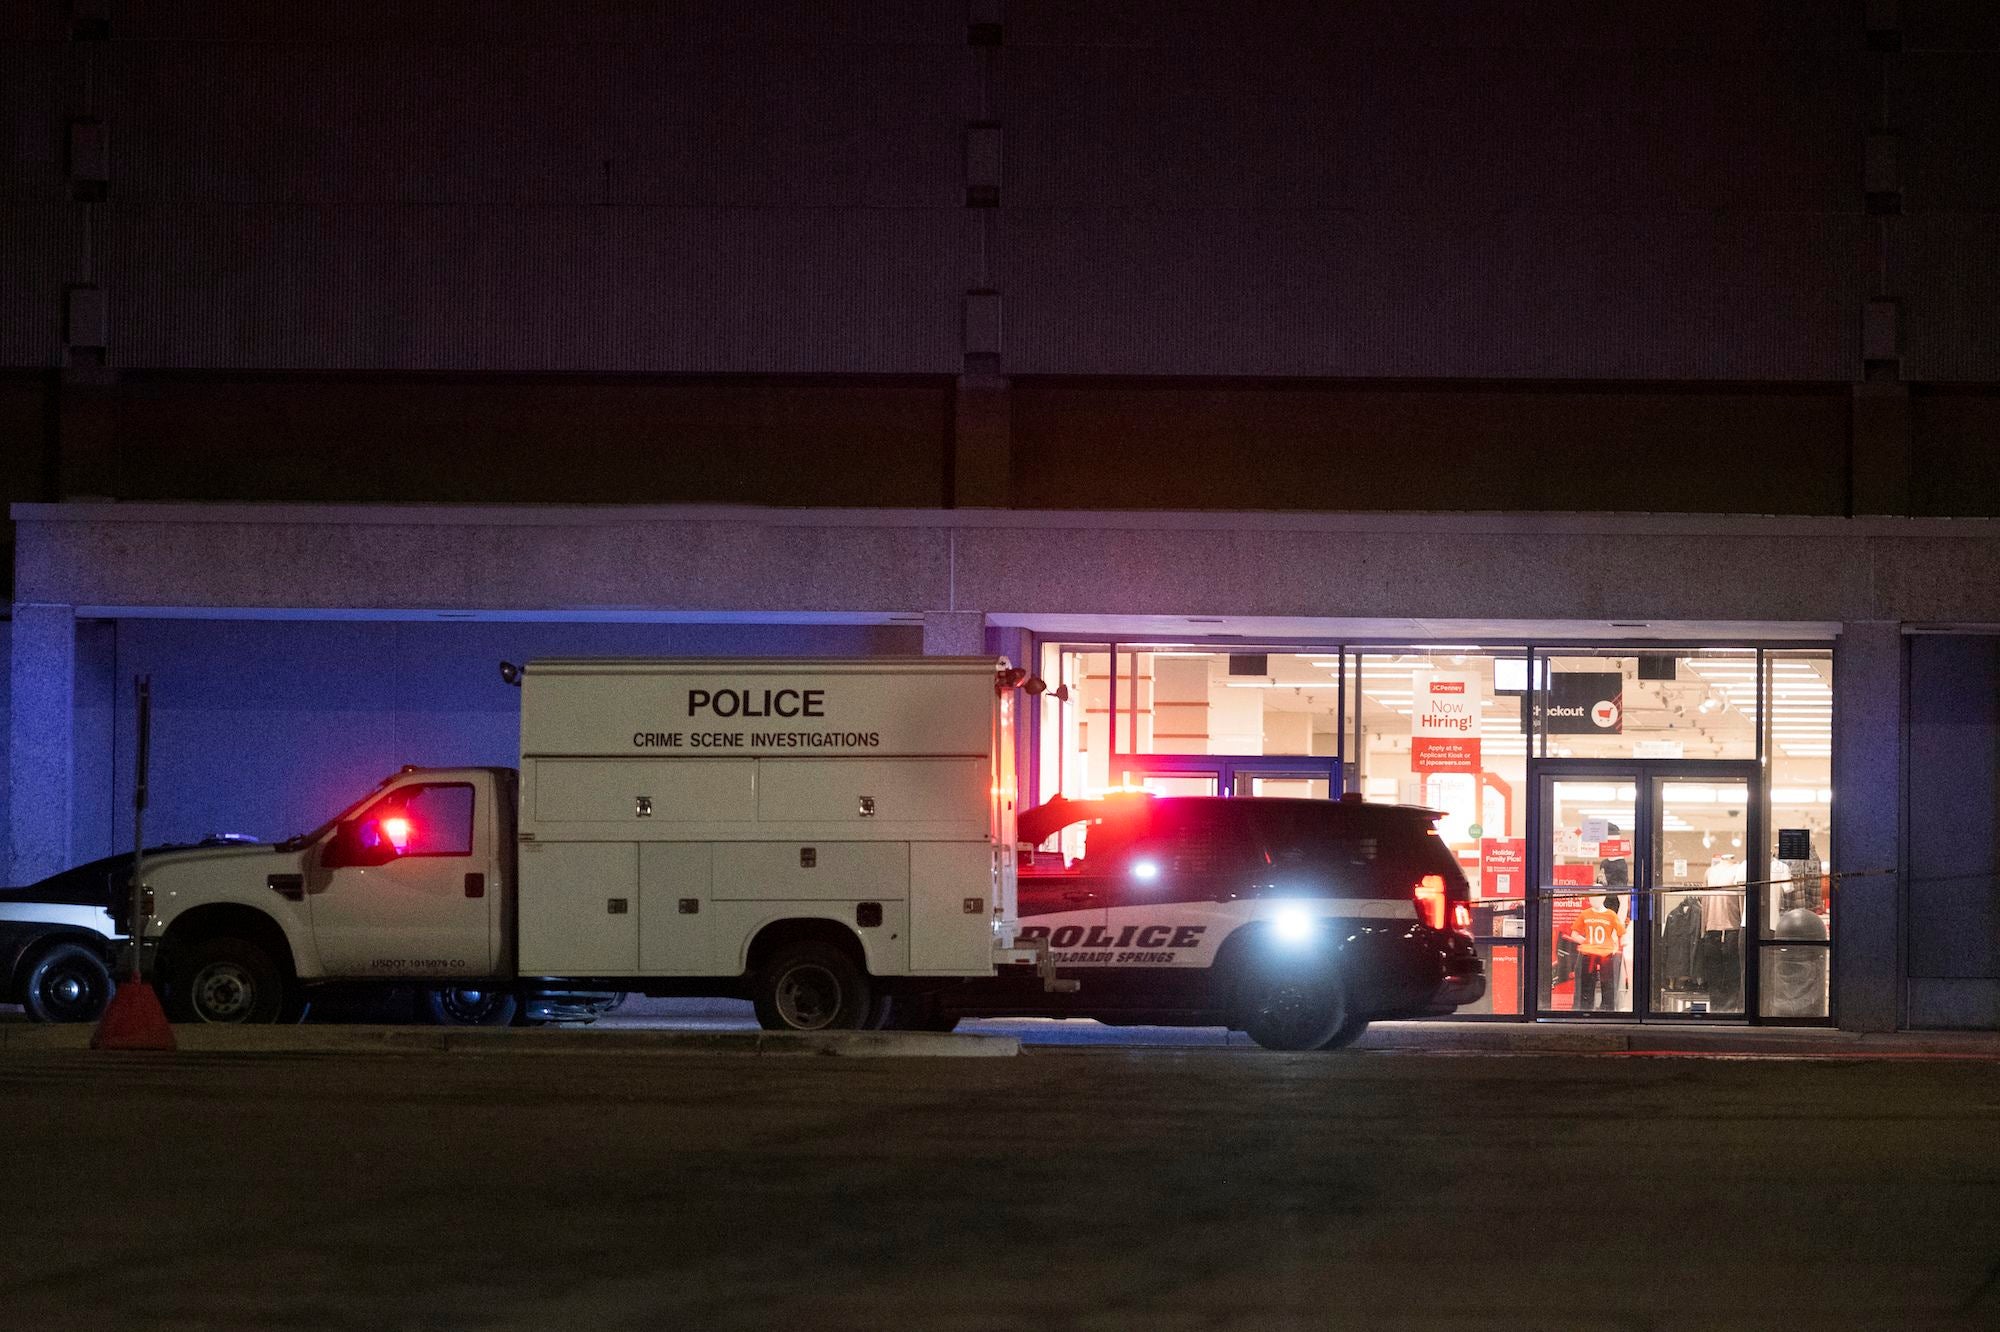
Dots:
pixel 306 839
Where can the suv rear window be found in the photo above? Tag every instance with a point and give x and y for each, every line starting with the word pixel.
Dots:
pixel 1187 839
pixel 1368 850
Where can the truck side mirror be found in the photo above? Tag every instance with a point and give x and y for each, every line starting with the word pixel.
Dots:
pixel 358 843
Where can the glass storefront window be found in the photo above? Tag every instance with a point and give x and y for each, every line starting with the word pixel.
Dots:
pixel 1795 906
pixel 1680 704
pixel 1075 732
pixel 1130 694
pixel 1441 727
pixel 1283 785
pixel 1247 703
pixel 1455 728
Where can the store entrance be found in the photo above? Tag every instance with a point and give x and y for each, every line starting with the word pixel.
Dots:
pixel 1641 871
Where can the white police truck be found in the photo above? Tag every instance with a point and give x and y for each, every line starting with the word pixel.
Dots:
pixel 816 836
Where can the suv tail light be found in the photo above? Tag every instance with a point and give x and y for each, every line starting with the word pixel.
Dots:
pixel 1461 916
pixel 1431 900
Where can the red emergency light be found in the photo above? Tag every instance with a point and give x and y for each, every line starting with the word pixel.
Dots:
pixel 396 830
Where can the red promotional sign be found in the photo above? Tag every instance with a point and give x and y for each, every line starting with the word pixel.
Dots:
pixel 1442 754
pixel 1574 876
pixel 1613 847
pixel 1444 722
pixel 1503 866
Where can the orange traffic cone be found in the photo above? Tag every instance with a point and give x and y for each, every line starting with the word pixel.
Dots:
pixel 133 1020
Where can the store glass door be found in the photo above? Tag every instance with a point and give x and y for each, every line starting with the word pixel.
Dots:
pixel 1698 873
pixel 1587 907
pixel 1641 876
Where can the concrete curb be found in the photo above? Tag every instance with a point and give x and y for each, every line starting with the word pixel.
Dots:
pixel 1634 1038
pixel 194 1039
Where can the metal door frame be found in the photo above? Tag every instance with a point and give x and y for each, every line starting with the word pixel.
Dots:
pixel 1225 768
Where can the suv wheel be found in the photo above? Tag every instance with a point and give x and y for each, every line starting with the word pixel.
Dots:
pixel 1293 1008
pixel 1350 1032
pixel 68 983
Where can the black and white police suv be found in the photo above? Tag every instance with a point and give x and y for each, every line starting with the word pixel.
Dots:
pixel 1297 921
pixel 56 938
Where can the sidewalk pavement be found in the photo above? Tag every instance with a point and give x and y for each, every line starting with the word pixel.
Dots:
pixel 194 1038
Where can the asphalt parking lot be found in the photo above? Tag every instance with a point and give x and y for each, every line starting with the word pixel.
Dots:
pixel 1068 1187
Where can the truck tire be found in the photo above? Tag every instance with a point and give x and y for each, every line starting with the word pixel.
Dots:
pixel 916 1012
pixel 67 983
pixel 1350 1032
pixel 1293 1007
pixel 465 1006
pixel 228 980
pixel 812 987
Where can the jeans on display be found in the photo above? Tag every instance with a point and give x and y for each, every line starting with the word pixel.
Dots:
pixel 1718 960
pixel 1596 984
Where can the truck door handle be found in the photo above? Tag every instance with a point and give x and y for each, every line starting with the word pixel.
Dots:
pixel 475 885
pixel 1079 897
pixel 291 887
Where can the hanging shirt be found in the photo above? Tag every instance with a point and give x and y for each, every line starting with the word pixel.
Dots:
pixel 1600 933
pixel 1723 911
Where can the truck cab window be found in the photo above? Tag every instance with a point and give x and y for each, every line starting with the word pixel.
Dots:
pixel 433 820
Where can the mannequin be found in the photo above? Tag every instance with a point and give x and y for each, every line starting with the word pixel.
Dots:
pixel 1775 892
pixel 1723 910
pixel 1719 955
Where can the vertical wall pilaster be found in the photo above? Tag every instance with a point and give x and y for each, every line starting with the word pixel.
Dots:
pixel 1867 823
pixel 982 408
pixel 41 752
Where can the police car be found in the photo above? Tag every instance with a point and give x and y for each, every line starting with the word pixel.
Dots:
pixel 55 941
pixel 58 938
pixel 1296 921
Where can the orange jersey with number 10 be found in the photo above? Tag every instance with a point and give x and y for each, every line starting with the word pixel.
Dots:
pixel 1600 933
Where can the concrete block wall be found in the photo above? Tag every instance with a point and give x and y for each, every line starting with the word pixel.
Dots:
pixel 535 234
